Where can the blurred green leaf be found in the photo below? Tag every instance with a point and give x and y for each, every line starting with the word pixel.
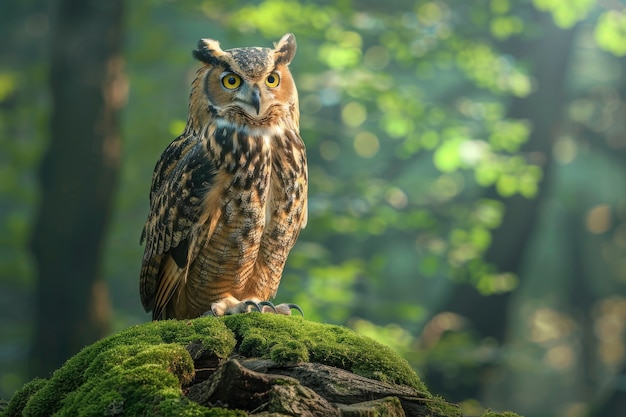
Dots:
pixel 8 84
pixel 447 157
pixel 566 13
pixel 610 32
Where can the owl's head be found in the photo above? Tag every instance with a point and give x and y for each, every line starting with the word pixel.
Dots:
pixel 252 85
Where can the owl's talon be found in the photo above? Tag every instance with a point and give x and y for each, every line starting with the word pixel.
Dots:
pixel 250 303
pixel 286 308
pixel 295 307
pixel 271 307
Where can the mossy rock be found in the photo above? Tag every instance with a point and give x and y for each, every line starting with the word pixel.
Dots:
pixel 297 340
pixel 146 369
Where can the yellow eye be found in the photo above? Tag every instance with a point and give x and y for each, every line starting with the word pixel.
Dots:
pixel 231 80
pixel 272 80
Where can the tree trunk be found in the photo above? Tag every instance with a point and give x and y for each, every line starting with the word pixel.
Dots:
pixel 78 175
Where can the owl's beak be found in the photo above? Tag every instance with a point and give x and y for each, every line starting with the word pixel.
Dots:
pixel 255 99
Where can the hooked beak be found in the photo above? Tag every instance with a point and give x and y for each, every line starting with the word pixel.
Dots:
pixel 255 99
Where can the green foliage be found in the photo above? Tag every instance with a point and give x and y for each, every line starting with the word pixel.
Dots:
pixel 274 17
pixel 489 70
pixel 392 335
pixel 566 13
pixel 610 32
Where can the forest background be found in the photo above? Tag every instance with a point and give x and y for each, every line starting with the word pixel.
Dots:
pixel 467 181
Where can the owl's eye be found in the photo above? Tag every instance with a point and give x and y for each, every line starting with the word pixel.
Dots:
pixel 272 80
pixel 231 81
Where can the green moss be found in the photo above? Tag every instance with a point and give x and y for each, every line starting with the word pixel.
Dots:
pixel 293 339
pixel 21 397
pixel 158 372
pixel 503 414
pixel 136 371
pixel 290 351
pixel 441 407
pixel 140 371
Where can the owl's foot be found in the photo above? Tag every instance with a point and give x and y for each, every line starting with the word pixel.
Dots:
pixel 229 306
pixel 249 306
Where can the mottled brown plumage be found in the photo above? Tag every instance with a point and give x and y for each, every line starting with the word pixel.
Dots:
pixel 228 196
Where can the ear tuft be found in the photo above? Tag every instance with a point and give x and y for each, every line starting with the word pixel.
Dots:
pixel 208 51
pixel 285 49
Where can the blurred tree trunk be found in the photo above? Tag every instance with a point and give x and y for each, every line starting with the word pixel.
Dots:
pixel 78 175
pixel 549 59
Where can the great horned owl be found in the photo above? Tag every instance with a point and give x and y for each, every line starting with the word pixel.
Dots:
pixel 229 195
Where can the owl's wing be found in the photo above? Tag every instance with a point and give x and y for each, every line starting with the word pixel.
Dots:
pixel 182 177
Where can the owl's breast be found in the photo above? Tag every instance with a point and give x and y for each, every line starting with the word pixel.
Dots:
pixel 230 231
pixel 252 213
pixel 243 167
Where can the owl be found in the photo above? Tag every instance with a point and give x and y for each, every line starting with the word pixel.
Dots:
pixel 229 195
